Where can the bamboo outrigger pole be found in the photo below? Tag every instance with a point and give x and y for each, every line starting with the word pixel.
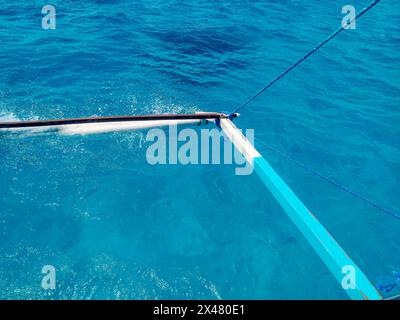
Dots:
pixel 93 125
pixel 319 238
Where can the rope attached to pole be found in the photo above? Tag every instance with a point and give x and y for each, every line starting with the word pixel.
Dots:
pixel 333 182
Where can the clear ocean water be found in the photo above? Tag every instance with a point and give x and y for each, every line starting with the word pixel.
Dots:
pixel 116 227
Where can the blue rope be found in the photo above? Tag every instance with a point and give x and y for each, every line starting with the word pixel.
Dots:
pixel 284 73
pixel 336 184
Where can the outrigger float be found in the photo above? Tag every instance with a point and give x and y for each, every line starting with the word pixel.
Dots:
pixel 332 254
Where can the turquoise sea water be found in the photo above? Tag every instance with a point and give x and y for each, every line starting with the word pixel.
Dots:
pixel 115 227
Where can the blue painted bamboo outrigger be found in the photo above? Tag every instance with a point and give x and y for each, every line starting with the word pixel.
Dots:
pixel 319 238
pixel 323 243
